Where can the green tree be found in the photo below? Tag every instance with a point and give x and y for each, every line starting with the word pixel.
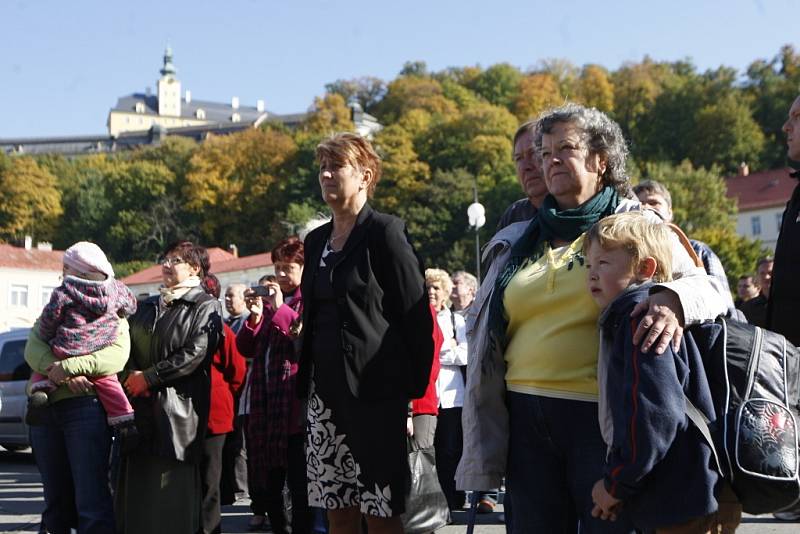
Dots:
pixel 726 134
pixel 479 140
pixel 636 87
pixel 412 92
pixel 498 84
pixel 699 199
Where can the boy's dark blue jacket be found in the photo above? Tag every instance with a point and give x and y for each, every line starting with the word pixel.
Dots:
pixel 658 463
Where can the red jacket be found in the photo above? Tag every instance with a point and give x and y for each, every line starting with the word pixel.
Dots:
pixel 429 404
pixel 227 375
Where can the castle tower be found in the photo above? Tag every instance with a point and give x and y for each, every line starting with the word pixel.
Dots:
pixel 169 88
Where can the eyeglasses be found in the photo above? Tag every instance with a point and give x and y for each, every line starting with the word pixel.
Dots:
pixel 171 262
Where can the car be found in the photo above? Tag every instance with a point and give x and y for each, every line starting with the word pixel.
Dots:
pixel 14 375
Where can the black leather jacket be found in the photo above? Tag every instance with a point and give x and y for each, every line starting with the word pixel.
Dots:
pixel 174 347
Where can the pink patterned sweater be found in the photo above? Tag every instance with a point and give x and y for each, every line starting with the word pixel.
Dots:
pixel 82 315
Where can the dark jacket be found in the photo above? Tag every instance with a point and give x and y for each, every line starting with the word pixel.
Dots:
pixel 658 463
pixel 174 350
pixel 385 319
pixel 519 210
pixel 755 310
pixel 784 300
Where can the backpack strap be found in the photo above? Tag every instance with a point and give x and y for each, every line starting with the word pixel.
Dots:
pixel 686 244
pixel 701 422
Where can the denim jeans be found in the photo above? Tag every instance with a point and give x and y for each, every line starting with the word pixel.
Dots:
pixel 72 453
pixel 556 454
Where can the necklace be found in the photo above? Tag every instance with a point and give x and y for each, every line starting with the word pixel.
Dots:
pixel 333 238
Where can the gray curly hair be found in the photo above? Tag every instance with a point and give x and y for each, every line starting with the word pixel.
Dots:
pixel 602 136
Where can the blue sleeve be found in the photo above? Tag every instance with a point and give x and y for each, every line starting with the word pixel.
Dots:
pixel 647 413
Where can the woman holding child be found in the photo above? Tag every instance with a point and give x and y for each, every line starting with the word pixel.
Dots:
pixel 531 408
pixel 173 339
pixel 75 350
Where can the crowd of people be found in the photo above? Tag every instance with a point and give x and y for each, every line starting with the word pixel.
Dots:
pixel 562 376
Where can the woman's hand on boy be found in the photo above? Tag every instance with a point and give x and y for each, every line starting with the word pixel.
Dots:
pixel 605 506
pixel 663 322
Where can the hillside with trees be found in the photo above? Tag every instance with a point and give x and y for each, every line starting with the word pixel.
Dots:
pixel 445 132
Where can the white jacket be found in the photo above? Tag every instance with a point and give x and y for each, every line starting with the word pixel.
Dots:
pixel 450 384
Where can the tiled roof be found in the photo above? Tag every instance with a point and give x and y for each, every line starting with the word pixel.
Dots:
pixel 221 262
pixel 32 259
pixel 758 190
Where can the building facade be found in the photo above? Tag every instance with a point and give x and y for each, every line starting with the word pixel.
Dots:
pixel 761 198
pixel 28 275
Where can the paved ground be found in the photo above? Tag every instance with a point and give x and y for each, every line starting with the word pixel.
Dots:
pixel 21 502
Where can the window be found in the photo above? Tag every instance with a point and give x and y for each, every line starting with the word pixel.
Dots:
pixel 46 293
pixel 236 117
pixel 200 114
pixel 139 107
pixel 755 225
pixel 19 296
pixel 12 361
pixel 779 220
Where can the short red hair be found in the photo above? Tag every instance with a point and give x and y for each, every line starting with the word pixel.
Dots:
pixel 290 250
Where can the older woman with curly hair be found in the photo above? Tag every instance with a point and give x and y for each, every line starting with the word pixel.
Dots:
pixel 367 345
pixel 531 409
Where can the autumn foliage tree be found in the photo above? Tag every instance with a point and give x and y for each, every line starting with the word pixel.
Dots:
pixel 30 203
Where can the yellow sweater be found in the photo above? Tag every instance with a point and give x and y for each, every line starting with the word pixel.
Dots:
pixel 552 327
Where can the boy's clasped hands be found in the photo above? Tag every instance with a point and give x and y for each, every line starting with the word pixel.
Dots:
pixel 605 506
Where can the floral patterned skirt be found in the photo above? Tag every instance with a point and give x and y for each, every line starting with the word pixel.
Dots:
pixel 356 454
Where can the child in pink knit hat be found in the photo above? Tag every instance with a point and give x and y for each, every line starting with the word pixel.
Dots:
pixel 82 317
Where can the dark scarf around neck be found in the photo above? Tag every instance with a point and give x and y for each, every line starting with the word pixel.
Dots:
pixel 549 223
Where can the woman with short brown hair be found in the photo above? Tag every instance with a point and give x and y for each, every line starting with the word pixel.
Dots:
pixel 367 345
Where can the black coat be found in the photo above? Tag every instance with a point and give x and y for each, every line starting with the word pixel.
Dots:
pixel 385 320
pixel 783 307
pixel 175 351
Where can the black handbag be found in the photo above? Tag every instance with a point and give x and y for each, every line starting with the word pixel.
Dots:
pixel 426 505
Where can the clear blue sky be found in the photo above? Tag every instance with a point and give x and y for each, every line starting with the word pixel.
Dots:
pixel 64 63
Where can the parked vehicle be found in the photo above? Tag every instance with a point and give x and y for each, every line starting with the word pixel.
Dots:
pixel 14 374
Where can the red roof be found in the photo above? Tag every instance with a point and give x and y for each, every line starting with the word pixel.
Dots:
pixel 221 262
pixel 758 190
pixel 31 259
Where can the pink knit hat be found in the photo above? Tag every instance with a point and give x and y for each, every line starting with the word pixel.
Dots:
pixel 86 257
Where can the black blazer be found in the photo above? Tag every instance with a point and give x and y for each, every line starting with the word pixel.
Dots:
pixel 385 319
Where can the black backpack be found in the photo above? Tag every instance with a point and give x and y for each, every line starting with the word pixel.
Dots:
pixel 754 377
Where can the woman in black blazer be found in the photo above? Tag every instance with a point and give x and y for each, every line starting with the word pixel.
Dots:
pixel 367 345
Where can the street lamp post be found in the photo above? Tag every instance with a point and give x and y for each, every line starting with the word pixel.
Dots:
pixel 476 214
